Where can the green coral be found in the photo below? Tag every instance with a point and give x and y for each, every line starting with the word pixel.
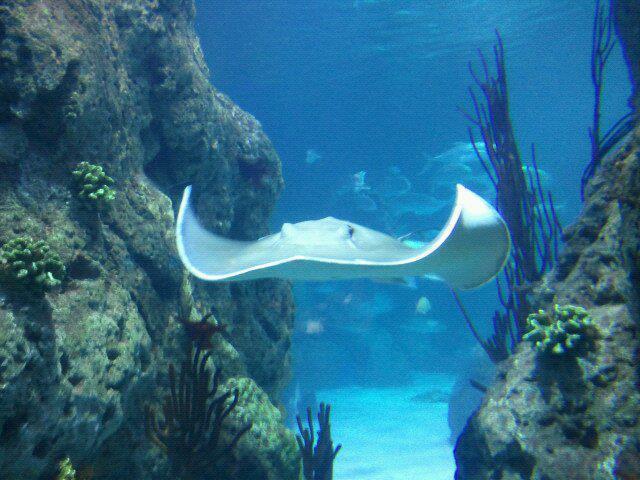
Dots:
pixel 66 470
pixel 567 330
pixel 94 184
pixel 30 266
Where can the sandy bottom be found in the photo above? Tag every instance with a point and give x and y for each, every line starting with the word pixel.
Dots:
pixel 388 436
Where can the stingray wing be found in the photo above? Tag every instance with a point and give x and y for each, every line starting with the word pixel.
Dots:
pixel 469 251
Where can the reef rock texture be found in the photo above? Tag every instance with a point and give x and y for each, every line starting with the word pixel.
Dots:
pixel 626 14
pixel 123 85
pixel 563 417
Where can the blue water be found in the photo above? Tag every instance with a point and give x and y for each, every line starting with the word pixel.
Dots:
pixel 343 87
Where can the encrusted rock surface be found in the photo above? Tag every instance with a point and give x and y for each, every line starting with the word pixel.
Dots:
pixel 123 84
pixel 626 14
pixel 576 418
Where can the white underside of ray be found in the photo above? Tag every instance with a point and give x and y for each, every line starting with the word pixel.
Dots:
pixel 469 251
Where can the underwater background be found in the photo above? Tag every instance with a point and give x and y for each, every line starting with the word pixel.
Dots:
pixel 343 87
pixel 126 126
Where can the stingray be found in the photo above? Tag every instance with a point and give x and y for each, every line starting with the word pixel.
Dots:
pixel 470 250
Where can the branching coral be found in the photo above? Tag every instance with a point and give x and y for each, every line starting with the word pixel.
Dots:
pixel 94 184
pixel 192 430
pixel 29 266
pixel 567 330
pixel 317 462
pixel 66 470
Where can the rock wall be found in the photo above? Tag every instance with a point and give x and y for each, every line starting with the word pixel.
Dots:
pixel 123 84
pixel 577 420
pixel 625 14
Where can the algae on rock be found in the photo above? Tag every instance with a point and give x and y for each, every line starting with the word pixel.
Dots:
pixel 268 446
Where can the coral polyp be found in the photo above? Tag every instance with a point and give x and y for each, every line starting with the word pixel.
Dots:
pixel 94 185
pixel 567 330
pixel 30 266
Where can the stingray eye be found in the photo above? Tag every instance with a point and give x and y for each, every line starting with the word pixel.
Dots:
pixel 350 231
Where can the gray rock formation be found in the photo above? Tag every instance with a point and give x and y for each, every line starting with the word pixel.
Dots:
pixel 123 84
pixel 625 14
pixel 577 419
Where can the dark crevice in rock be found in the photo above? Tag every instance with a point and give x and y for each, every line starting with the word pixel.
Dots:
pixel 517 460
pixel 254 172
pixel 43 447
pixel 108 413
pixel 10 172
pixel 159 170
pixel 64 364
pixel 162 282
pixel 83 267
pixel 112 354
pixel 145 360
pixel 45 123
pixel 166 283
pixel 560 375
pixel 268 328
pixel 32 332
pixel 75 378
pixel 24 54
pixel 154 69
pixel 11 427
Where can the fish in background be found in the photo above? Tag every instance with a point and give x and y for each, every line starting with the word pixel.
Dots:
pixel 528 170
pixel 458 164
pixel 405 201
pixel 395 184
pixel 356 193
pixel 312 156
pixel 359 182
pixel 314 326
pixel 423 306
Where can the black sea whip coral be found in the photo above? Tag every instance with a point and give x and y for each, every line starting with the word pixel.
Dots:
pixel 317 461
pixel 520 199
pixel 192 429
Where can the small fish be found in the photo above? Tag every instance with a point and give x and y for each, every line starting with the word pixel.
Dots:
pixel 403 281
pixel 359 184
pixel 423 306
pixel 313 327
pixel 312 156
